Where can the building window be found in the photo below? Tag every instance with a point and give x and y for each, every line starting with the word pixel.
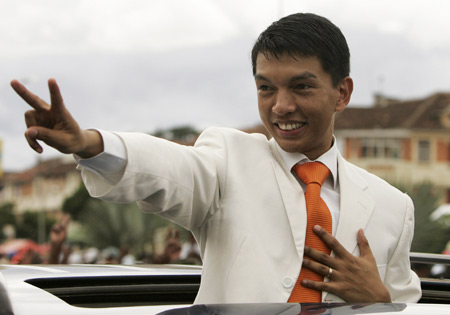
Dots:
pixel 381 148
pixel 424 150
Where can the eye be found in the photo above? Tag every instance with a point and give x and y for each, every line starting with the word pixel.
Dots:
pixel 265 90
pixel 264 87
pixel 302 86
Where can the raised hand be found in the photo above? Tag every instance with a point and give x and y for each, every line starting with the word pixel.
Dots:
pixel 58 231
pixel 53 124
pixel 58 235
pixel 355 279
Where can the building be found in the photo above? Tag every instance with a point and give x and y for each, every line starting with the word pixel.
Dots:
pixel 400 141
pixel 43 187
pixel 1 165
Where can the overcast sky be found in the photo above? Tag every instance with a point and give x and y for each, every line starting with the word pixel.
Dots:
pixel 138 65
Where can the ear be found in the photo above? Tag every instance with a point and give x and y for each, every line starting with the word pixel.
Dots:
pixel 345 90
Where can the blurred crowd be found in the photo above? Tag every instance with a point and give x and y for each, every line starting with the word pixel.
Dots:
pixel 58 251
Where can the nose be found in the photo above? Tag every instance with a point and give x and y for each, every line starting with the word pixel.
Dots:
pixel 284 105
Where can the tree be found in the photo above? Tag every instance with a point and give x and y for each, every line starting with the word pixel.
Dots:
pixel 6 217
pixel 77 203
pixel 28 225
pixel 181 133
pixel 429 236
pixel 105 224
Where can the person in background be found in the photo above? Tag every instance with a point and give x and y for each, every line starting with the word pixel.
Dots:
pixel 58 233
pixel 190 251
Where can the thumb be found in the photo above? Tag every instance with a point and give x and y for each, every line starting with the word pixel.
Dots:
pixel 31 135
pixel 35 133
pixel 42 133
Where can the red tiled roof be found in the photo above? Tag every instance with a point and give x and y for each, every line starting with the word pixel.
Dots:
pixel 48 168
pixel 416 114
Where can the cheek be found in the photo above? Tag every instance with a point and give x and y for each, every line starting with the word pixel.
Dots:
pixel 265 109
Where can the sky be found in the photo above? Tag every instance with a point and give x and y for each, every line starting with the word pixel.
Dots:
pixel 142 65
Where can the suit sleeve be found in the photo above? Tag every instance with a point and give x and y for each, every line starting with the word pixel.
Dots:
pixel 178 182
pixel 403 283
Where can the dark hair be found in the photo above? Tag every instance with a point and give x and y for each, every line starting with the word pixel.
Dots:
pixel 306 35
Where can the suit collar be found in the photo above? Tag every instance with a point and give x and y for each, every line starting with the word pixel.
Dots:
pixel 293 198
pixel 356 204
pixel 329 159
pixel 355 210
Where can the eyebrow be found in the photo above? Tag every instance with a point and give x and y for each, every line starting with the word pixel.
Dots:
pixel 302 76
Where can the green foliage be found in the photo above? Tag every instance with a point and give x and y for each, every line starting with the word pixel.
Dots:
pixel 105 224
pixel 110 224
pixel 28 225
pixel 429 236
pixel 76 204
pixel 6 217
pixel 181 133
pixel 7 214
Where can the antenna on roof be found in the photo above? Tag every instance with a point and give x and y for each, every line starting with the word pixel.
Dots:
pixel 380 99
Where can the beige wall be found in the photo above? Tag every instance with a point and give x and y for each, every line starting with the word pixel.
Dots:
pixel 436 171
pixel 40 192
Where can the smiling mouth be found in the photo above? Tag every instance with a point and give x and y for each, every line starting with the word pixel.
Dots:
pixel 290 126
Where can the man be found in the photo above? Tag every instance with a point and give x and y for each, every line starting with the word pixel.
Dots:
pixel 238 193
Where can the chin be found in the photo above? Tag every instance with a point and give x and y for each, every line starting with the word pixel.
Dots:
pixel 289 147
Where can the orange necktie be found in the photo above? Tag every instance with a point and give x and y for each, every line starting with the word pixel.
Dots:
pixel 313 174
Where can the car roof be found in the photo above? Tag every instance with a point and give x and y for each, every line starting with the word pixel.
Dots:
pixel 52 289
pixel 24 271
pixel 106 289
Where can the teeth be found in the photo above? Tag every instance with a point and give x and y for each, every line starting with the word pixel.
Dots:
pixel 289 127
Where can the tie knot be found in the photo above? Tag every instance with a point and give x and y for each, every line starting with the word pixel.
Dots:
pixel 312 172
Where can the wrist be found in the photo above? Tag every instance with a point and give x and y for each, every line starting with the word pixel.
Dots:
pixel 93 144
pixel 385 297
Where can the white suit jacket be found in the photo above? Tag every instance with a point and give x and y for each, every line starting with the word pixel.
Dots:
pixel 247 210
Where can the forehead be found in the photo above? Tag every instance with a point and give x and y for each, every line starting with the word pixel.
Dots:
pixel 285 66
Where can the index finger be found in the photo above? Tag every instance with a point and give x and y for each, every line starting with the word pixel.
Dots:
pixel 330 241
pixel 65 219
pixel 32 99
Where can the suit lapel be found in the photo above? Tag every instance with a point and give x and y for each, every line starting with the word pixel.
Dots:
pixel 356 205
pixel 293 198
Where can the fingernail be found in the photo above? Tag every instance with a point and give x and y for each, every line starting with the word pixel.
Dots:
pixel 317 228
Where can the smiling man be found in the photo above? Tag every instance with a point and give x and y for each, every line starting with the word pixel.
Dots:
pixel 284 220
pixel 297 101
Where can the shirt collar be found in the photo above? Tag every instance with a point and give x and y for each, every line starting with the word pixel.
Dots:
pixel 329 159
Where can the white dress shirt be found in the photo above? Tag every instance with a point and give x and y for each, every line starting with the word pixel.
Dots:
pixel 329 192
pixel 110 164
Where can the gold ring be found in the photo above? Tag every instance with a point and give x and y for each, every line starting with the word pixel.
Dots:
pixel 330 272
